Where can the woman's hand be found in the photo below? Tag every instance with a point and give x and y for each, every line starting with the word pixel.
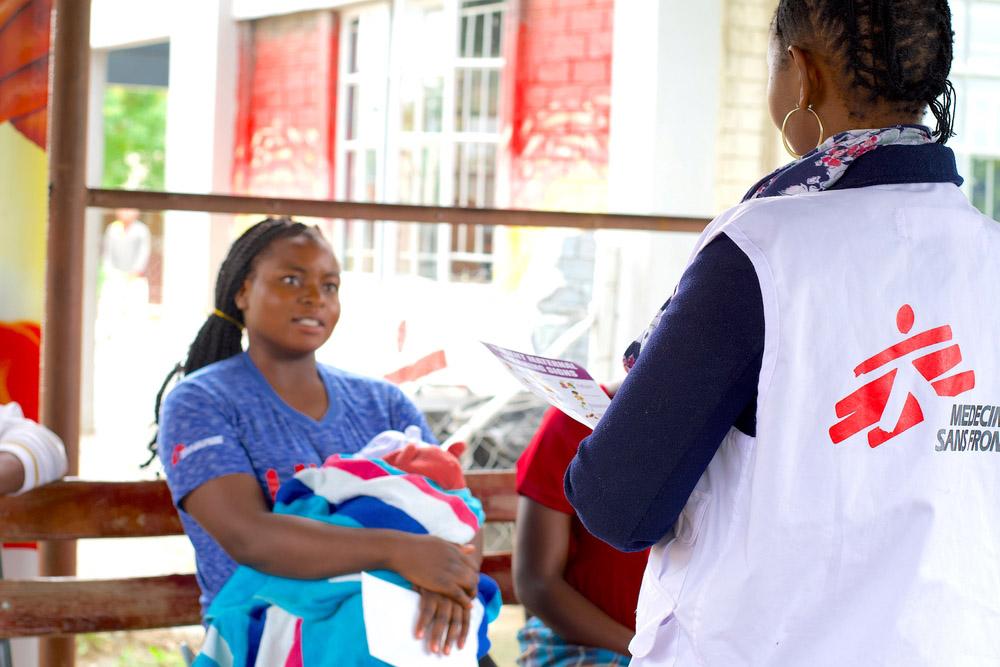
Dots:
pixel 442 621
pixel 438 566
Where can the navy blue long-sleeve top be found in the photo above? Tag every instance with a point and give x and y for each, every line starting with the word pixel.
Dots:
pixel 696 377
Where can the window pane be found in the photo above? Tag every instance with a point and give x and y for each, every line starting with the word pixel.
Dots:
pixel 488 239
pixel 996 191
pixel 430 175
pixel 427 236
pixel 409 183
pixel 370 193
pixel 351 129
pixel 979 170
pixel 404 238
pixel 464 35
pixel 368 235
pixel 428 268
pixel 472 272
pixel 433 104
pixel 984 26
pixel 958 24
pixel 461 98
pixel 352 46
pixel 475 109
pixel 408 107
pixel 477 50
pixel 350 234
pixel 493 103
pixel 349 176
pixel 982 128
pixel 461 172
pixel 496 27
pixel 489 176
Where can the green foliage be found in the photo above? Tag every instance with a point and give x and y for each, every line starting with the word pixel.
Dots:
pixel 144 648
pixel 135 122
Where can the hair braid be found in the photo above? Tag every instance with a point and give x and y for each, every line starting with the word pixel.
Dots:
pixel 894 52
pixel 219 338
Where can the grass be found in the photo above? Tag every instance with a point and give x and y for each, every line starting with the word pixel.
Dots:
pixel 146 648
pixel 161 648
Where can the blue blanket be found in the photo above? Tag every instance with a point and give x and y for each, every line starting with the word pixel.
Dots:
pixel 259 619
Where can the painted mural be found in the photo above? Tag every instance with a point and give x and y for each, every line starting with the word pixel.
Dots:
pixel 24 67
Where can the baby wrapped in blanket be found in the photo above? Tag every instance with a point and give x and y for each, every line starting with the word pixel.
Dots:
pixel 394 483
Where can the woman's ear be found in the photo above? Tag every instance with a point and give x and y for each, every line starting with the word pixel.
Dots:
pixel 241 297
pixel 810 79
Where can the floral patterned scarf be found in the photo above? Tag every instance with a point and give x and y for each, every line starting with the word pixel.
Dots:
pixel 818 170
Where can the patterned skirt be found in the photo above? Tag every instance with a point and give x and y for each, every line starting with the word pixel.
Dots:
pixel 540 647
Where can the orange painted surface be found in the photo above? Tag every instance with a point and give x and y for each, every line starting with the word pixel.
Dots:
pixel 20 348
pixel 24 66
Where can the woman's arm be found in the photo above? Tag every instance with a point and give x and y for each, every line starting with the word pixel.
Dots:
pixel 541 549
pixel 11 473
pixel 695 378
pixel 233 511
pixel 30 454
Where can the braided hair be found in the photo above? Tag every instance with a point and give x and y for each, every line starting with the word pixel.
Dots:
pixel 896 53
pixel 221 336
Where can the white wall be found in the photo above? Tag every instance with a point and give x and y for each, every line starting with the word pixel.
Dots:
pixel 201 119
pixel 121 23
pixel 664 99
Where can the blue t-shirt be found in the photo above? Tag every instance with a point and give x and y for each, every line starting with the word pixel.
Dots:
pixel 226 418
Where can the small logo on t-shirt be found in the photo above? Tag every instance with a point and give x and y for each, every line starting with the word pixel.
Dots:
pixel 182 451
pixel 866 406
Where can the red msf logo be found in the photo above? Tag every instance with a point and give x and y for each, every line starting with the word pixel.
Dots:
pixel 866 406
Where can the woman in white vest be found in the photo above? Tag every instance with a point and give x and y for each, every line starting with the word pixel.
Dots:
pixel 810 430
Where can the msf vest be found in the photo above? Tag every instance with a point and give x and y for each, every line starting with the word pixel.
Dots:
pixel 861 526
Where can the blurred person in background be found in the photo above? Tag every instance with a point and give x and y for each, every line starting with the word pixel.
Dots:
pixel 124 258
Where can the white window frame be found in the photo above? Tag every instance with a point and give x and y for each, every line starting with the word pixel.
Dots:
pixel 369 140
pixel 962 74
pixel 446 141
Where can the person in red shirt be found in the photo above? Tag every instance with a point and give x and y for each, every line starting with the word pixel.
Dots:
pixel 580 594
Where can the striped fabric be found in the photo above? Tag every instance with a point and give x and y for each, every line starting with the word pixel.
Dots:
pixel 540 647
pixel 258 620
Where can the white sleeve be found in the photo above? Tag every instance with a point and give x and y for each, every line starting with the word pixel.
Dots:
pixel 10 415
pixel 39 450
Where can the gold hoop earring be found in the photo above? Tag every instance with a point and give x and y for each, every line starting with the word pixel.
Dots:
pixel 784 126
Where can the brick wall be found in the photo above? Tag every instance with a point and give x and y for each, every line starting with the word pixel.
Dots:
pixel 747 147
pixel 559 141
pixel 562 104
pixel 287 106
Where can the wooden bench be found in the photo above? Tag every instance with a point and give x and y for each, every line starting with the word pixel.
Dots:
pixel 77 509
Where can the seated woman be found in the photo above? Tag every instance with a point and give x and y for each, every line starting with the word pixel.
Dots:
pixel 580 592
pixel 242 422
pixel 30 454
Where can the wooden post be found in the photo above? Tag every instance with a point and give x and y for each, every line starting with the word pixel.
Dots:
pixel 62 328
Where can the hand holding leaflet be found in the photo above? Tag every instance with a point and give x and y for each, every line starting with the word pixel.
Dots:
pixel 564 384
